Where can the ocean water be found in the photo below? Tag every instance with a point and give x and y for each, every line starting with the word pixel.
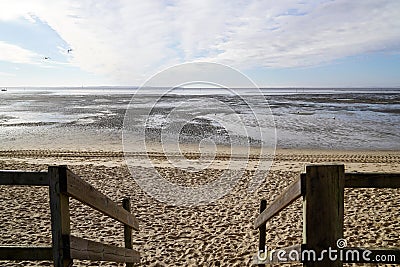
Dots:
pixel 93 118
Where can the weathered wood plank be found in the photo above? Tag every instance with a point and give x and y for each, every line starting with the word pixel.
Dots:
pixel 290 254
pixel 84 192
pixel 263 233
pixel 60 221
pixel 126 204
pixel 8 177
pixel 372 180
pixel 25 253
pixel 90 250
pixel 285 199
pixel 323 210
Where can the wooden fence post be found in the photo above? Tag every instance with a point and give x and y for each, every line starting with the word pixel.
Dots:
pixel 126 204
pixel 263 230
pixel 60 221
pixel 323 212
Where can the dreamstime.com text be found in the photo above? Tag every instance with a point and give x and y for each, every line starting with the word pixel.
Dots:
pixel 332 254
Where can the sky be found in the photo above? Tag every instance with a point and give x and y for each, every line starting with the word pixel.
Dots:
pixel 283 43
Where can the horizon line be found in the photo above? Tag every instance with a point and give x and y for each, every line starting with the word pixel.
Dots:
pixel 210 88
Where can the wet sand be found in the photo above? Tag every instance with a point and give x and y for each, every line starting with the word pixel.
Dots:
pixel 218 234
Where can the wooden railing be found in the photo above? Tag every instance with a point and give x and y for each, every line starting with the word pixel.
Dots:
pixel 64 184
pixel 322 189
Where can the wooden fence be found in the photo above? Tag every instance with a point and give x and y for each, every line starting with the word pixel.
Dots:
pixel 322 189
pixel 63 183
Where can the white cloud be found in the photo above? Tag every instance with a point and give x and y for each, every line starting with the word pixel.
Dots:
pixel 15 54
pixel 129 40
pixel 10 10
pixel 7 74
pixel 325 32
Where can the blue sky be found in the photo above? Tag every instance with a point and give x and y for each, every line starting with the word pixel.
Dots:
pixel 276 43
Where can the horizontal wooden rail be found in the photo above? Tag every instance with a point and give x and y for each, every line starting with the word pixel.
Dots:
pixel 84 192
pixel 352 180
pixel 90 250
pixel 292 193
pixel 62 184
pixel 322 188
pixel 372 180
pixel 25 253
pixel 23 178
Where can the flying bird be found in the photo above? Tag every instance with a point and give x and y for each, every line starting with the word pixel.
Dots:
pixel 46 58
pixel 69 50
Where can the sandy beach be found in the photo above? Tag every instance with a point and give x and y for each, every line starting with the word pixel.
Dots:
pixel 218 234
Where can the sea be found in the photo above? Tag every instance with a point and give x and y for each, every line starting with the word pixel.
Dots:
pixel 99 118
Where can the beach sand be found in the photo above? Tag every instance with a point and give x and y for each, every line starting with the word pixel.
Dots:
pixel 218 234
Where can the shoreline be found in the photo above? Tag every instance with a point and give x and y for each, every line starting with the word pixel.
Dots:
pixel 283 159
pixel 193 149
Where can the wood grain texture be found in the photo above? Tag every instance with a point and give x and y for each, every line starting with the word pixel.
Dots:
pixel 372 180
pixel 26 253
pixel 23 178
pixel 285 199
pixel 84 192
pixel 90 250
pixel 60 217
pixel 126 204
pixel 323 210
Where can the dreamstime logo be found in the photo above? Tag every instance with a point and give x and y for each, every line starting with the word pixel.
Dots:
pixel 193 116
pixel 341 253
pixel 341 243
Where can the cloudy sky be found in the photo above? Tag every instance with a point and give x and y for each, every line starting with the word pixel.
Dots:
pixel 276 43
